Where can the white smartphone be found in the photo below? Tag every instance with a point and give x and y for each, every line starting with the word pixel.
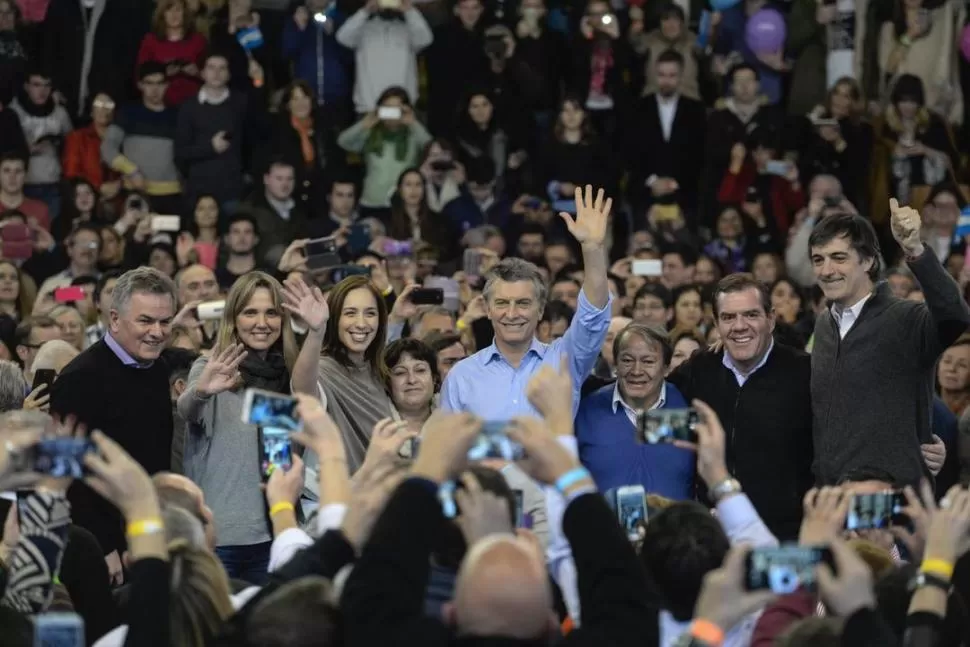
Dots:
pixel 631 509
pixel 777 167
pixel 386 113
pixel 166 223
pixel 647 268
pixel 210 310
pixel 58 630
pixel 822 122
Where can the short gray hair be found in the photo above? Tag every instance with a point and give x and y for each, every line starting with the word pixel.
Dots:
pixel 54 355
pixel 13 386
pixel 513 270
pixel 145 280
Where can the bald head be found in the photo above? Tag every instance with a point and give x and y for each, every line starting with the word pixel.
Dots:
pixel 178 491
pixel 503 590
pixel 54 355
pixel 197 283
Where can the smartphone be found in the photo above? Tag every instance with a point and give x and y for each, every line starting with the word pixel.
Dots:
pixel 136 203
pixel 647 268
pixel 442 165
pixel 58 630
pixel 777 167
pixel 397 248
pixel 43 376
pixel 519 509
pixel 268 409
pixel 879 510
pixel 389 4
pixel 388 113
pixel 275 450
pixel 321 253
pixel 320 17
pixel 166 223
pixel 631 509
pixel 823 121
pixel 60 457
pixel 667 425
pixel 427 296
pixel 210 310
pixel 70 294
pixel 472 263
pixel 492 442
pixel 785 569
pixel 358 238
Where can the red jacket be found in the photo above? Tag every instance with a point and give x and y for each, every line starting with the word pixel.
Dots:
pixel 188 50
pixel 82 157
pixel 785 200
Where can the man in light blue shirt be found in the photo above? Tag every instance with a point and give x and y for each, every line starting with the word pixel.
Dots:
pixel 492 382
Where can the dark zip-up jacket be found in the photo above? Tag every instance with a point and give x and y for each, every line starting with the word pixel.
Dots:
pixel 768 428
pixel 872 392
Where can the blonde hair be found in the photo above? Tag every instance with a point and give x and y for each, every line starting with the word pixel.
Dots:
pixel 239 296
pixel 199 595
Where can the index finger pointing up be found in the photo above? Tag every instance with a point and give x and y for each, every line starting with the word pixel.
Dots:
pixel 893 205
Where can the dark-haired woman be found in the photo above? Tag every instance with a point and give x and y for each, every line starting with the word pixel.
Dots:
pixel 412 218
pixel 342 358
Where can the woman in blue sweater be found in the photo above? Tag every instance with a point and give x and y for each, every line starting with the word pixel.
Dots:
pixel 606 424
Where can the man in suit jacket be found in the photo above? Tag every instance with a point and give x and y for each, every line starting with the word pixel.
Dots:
pixel 668 147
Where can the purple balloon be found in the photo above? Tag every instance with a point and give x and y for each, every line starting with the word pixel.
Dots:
pixel 765 32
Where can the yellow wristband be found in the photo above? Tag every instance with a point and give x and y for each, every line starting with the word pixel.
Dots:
pixel 461 325
pixel 387 292
pixel 939 567
pixel 280 507
pixel 145 527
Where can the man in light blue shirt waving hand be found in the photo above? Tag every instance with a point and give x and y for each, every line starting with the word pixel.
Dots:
pixel 492 382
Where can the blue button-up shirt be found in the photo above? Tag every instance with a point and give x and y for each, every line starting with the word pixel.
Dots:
pixel 122 354
pixel 488 386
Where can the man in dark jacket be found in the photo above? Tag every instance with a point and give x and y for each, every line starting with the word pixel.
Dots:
pixel 760 392
pixel 874 355
pixel 502 595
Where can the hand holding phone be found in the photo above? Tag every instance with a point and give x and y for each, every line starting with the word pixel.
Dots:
pixel 276 416
pixel 427 296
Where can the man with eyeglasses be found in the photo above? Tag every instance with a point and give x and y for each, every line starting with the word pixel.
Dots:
pixel 30 335
pixel 140 144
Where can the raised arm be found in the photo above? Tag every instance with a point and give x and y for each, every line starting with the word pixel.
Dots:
pixel 309 305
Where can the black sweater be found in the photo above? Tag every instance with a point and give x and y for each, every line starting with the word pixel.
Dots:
pixel 768 424
pixel 131 406
pixel 872 392
pixel 383 601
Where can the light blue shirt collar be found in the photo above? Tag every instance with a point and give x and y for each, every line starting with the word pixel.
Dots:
pixel 492 352
pixel 618 399
pixel 122 354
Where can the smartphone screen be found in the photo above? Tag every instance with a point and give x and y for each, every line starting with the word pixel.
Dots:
pixel 647 267
pixel 427 296
pixel 668 425
pixel 784 569
pixel 43 376
pixel 268 409
pixel 60 457
pixel 275 450
pixel 878 510
pixel 472 264
pixel 777 167
pixel 492 442
pixel 58 630
pixel 321 253
pixel 69 294
pixel 631 509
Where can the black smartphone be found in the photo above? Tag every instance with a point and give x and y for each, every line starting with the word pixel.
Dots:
pixel 668 425
pixel 321 253
pixel 785 569
pixel 358 238
pixel 442 165
pixel 43 376
pixel 492 442
pixel 338 274
pixel 427 296
pixel 60 457
pixel 878 510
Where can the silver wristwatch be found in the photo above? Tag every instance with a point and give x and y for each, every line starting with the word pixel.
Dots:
pixel 724 488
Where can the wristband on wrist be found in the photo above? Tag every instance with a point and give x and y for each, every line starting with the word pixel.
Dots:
pixel 145 527
pixel 280 507
pixel 461 325
pixel 939 567
pixel 570 478
pixel 707 632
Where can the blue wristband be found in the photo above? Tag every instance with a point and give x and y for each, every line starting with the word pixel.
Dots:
pixel 570 478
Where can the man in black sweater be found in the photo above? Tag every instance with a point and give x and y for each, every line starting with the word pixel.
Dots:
pixel 120 386
pixel 760 392
pixel 874 357
pixel 502 594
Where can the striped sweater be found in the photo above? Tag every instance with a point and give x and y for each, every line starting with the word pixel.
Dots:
pixel 143 140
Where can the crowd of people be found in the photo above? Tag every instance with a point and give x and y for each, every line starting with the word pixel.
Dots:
pixel 512 229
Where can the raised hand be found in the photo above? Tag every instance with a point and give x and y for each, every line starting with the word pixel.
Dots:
pixel 592 217
pixel 906 225
pixel 551 393
pixel 825 511
pixel 38 399
pixel 483 513
pixel 221 373
pixel 403 308
pixel 306 303
pixel 320 433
